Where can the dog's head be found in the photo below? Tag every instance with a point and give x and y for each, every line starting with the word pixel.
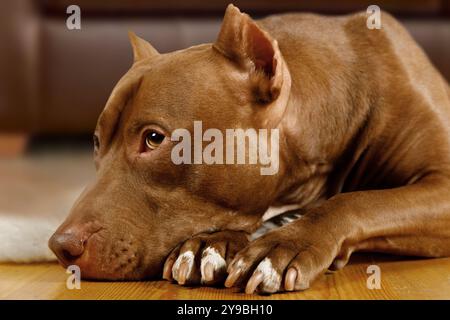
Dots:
pixel 143 203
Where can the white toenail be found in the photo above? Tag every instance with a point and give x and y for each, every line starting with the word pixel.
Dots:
pixel 211 255
pixel 239 264
pixel 271 279
pixel 186 256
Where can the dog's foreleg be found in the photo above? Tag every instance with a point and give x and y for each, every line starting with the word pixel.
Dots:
pixel 412 220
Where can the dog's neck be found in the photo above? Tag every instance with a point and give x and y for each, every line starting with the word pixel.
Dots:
pixel 313 147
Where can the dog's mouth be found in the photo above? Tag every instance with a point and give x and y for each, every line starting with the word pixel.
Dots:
pixel 122 258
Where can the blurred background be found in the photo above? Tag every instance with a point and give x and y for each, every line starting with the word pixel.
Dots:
pixel 54 81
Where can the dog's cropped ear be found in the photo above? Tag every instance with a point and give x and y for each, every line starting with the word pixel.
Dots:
pixel 245 43
pixel 141 48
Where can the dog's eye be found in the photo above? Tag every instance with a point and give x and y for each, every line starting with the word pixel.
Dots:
pixel 153 139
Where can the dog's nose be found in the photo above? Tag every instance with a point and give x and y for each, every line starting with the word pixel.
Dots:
pixel 67 246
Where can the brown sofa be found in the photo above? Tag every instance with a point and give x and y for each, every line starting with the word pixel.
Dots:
pixel 56 81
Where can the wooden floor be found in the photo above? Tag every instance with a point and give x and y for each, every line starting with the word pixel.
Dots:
pixel 401 278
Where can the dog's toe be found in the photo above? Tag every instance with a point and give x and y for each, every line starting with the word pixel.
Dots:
pixel 185 268
pixel 182 269
pixel 268 263
pixel 265 278
pixel 213 266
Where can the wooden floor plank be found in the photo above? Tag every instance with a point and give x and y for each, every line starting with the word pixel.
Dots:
pixel 401 278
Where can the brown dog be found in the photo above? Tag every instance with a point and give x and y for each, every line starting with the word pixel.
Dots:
pixel 364 148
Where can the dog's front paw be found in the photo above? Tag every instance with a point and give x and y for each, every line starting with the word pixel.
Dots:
pixel 203 259
pixel 286 259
